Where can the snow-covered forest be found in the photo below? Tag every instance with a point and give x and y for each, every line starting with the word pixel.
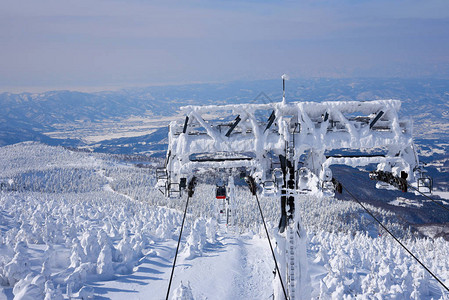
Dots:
pixel 76 225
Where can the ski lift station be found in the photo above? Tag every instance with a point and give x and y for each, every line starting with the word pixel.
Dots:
pixel 285 149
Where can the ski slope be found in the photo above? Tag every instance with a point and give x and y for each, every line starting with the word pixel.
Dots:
pixel 88 226
pixel 235 267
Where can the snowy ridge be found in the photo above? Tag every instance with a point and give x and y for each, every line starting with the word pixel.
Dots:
pixel 29 156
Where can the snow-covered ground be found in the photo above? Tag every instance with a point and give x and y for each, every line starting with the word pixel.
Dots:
pixel 401 201
pixel 444 195
pixel 234 267
pixel 89 226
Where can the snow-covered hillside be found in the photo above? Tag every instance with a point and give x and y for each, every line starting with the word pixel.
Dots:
pixel 80 225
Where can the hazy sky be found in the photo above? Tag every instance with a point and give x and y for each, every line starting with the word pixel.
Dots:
pixel 97 43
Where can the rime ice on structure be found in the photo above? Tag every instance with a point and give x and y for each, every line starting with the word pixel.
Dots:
pixel 288 149
pixel 308 129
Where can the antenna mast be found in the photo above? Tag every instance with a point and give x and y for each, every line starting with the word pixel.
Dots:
pixel 284 78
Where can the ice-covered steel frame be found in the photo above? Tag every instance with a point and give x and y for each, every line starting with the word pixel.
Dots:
pixel 266 138
pixel 232 136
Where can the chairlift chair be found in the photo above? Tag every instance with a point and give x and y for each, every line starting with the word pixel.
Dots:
pixel 328 186
pixel 425 184
pixel 161 173
pixel 269 188
pixel 183 183
pixel 220 192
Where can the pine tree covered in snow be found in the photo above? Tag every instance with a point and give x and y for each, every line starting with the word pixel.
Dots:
pixel 70 219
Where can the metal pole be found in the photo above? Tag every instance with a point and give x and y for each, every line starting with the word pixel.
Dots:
pixel 283 89
pixel 284 77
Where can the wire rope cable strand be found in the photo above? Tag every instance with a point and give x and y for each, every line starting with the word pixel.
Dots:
pixel 253 189
pixel 395 238
pixel 428 197
pixel 190 194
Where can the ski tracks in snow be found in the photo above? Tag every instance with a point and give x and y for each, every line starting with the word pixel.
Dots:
pixel 237 267
pixel 255 278
pixel 108 188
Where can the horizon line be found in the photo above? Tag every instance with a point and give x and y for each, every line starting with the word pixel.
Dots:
pixel 32 89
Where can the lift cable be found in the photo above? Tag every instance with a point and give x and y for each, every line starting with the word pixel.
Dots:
pixel 395 238
pixel 253 189
pixel 428 197
pixel 190 194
